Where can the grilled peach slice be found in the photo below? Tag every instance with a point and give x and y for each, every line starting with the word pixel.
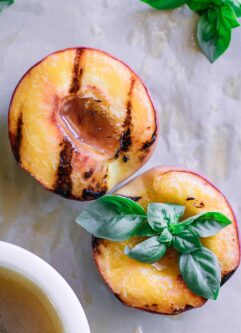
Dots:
pixel 159 287
pixel 80 122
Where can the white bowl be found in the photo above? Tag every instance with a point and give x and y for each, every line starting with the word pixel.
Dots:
pixel 51 283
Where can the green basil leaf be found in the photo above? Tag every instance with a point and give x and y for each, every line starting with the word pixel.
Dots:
pixel 207 224
pixel 177 228
pixel 201 272
pixel 165 236
pixel 228 17
pixel 165 4
pixel 149 251
pixel 120 214
pixel 186 241
pixel 120 228
pixel 145 230
pixel 213 41
pixel 200 5
pixel 179 210
pixel 126 205
pixel 236 5
pixel 213 16
pixel 5 3
pixel 159 215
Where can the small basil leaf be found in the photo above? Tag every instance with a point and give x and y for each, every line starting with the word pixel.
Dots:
pixel 228 17
pixel 199 5
pixel 165 4
pixel 186 241
pixel 201 272
pixel 207 224
pixel 179 210
pixel 145 230
pixel 165 236
pixel 213 15
pixel 126 205
pixel 149 251
pixel 212 40
pixel 120 228
pixel 111 208
pixel 5 3
pixel 159 215
pixel 177 228
pixel 236 5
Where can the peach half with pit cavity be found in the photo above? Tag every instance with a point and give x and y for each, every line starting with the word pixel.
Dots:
pixel 80 122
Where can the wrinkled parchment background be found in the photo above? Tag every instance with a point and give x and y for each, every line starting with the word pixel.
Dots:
pixel 200 120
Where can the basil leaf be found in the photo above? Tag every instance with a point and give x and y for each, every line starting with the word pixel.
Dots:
pixel 200 5
pixel 186 241
pixel 126 205
pixel 120 228
pixel 228 17
pixel 213 38
pixel 117 212
pixel 179 210
pixel 236 5
pixel 177 228
pixel 207 224
pixel 165 4
pixel 165 236
pixel 159 215
pixel 201 272
pixel 149 251
pixel 5 3
pixel 145 230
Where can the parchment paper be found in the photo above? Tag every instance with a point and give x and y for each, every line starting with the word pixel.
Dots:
pixel 200 120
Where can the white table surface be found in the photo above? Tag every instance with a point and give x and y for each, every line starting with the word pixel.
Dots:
pixel 200 128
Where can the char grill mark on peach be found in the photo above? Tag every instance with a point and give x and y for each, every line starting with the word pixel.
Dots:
pixel 150 142
pixel 130 197
pixel 201 205
pixel 125 159
pixel 89 194
pixel 176 311
pixel 63 185
pixel 77 73
pixel 95 245
pixel 126 140
pixel 88 174
pixel 16 139
pixel 227 276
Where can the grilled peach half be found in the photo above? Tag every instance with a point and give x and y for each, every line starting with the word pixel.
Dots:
pixel 80 122
pixel 159 287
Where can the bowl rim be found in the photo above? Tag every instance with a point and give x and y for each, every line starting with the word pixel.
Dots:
pixel 50 282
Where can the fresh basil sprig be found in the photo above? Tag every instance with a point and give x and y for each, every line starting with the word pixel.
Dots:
pixel 118 218
pixel 5 3
pixel 217 19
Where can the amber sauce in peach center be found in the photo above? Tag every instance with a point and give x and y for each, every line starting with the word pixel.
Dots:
pixel 87 121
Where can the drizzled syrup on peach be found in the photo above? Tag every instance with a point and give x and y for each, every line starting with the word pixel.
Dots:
pixel 86 119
